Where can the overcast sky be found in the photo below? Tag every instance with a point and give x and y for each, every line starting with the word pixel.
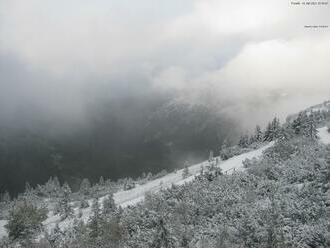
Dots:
pixel 244 51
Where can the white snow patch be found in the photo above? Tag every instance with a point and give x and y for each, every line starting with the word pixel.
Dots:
pixel 324 135
pixel 236 163
pixel 3 231
pixel 135 195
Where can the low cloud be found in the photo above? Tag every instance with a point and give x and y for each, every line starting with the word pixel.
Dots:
pixel 252 58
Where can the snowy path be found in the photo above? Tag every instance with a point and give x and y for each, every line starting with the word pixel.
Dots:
pixel 136 195
pixel 3 231
pixel 324 135
pixel 133 196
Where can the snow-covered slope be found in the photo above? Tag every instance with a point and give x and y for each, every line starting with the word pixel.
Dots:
pixel 136 195
pixel 323 107
pixel 324 135
pixel 3 231
pixel 133 196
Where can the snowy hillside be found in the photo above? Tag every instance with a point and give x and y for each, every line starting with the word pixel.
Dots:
pixel 323 107
pixel 136 195
pixel 293 167
pixel 133 196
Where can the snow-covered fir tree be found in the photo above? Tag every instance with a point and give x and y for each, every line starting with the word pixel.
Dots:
pixel 101 181
pixel 85 186
pixel 25 220
pixel 211 156
pixel 109 205
pixel 309 128
pixel 162 237
pixel 244 141
pixel 129 184
pixel 63 207
pixel 185 172
pixel 272 131
pixel 84 203
pixel 258 135
pixel 299 122
pixel 94 222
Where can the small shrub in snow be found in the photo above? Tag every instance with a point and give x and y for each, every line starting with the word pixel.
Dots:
pixel 85 187
pixel 109 205
pixel 25 220
pixel 63 207
pixel 129 184
pixel 185 172
pixel 84 204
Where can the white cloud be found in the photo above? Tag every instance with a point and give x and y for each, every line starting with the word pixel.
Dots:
pixel 243 49
pixel 294 65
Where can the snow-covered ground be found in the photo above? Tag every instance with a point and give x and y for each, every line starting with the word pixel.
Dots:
pixel 136 195
pixel 324 135
pixel 133 196
pixel 3 231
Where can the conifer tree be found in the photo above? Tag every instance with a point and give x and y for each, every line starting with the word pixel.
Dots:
pixel 201 170
pixel 225 144
pixel 84 204
pixel 252 139
pixel 162 237
pixel 28 193
pixel 63 208
pixel 298 123
pixel 101 181
pixel 310 130
pixel 258 134
pixel 224 150
pixel 149 176
pixel 268 132
pixel 109 205
pixel 211 156
pixel 55 236
pixel 28 188
pixel 244 141
pixel 25 220
pixel 56 182
pixel 95 219
pixel 129 184
pixel 272 131
pixel 185 172
pixel 275 128
pixel 53 187
pixel 284 134
pixel 85 186
pixel 5 197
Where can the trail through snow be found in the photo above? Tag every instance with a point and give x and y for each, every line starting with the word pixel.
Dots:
pixel 3 231
pixel 136 195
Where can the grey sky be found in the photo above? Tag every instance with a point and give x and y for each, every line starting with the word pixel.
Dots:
pixel 244 52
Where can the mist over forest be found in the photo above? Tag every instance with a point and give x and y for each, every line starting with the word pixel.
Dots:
pixel 117 89
pixel 115 137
